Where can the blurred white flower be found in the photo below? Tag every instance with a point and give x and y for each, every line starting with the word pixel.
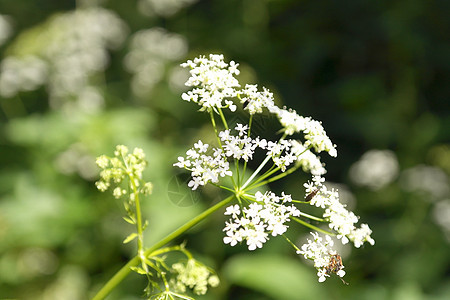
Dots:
pixel 431 181
pixel 151 51
pixel 375 169
pixel 71 49
pixel 165 8
pixel 21 74
pixel 441 215
pixel 5 28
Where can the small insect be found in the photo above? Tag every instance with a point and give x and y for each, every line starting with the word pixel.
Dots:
pixel 311 195
pixel 246 102
pixel 335 266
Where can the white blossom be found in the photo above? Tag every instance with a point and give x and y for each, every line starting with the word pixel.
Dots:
pixel 204 168
pixel 214 80
pixel 325 259
pixel 340 219
pixel 266 216
pixel 315 135
pixel 254 101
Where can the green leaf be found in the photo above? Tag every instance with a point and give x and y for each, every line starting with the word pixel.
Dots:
pixel 138 270
pixel 277 276
pixel 130 238
pixel 145 225
pixel 129 220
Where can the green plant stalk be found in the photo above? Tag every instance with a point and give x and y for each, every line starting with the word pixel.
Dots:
pixel 259 169
pixel 290 242
pixel 312 226
pixel 248 134
pixel 125 270
pixel 224 120
pixel 312 217
pixel 213 122
pixel 275 178
pixel 268 173
pixel 256 172
pixel 140 242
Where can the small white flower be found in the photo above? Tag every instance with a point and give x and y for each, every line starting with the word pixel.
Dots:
pixel 201 147
pixel 182 163
pixel 233 210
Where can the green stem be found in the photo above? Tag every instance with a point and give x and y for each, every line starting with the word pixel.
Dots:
pixel 268 173
pixel 224 121
pixel 290 242
pixel 275 178
pixel 125 270
pixel 213 121
pixel 140 241
pixel 256 172
pixel 311 226
pixel 312 217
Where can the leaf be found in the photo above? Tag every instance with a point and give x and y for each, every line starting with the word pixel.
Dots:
pixel 138 270
pixel 145 225
pixel 130 238
pixel 129 220
pixel 277 276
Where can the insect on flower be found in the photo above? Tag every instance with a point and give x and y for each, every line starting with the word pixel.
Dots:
pixel 311 195
pixel 335 266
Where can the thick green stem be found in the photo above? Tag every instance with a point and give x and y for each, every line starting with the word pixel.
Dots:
pixel 125 270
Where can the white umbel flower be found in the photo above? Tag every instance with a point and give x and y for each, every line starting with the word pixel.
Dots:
pixel 266 216
pixel 326 260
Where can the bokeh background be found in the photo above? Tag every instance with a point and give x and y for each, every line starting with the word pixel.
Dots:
pixel 77 78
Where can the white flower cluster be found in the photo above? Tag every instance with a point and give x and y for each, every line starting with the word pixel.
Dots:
pixel 5 28
pixel 151 53
pixel 241 146
pixel 215 88
pixel 204 168
pixel 266 216
pixel 21 74
pixel 164 8
pixel 308 160
pixel 315 134
pixel 214 80
pixel 121 165
pixel 215 85
pixel 70 49
pixel 324 257
pixel 254 101
pixel 340 219
pixel 194 275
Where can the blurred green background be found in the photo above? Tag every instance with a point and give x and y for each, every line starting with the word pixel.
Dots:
pixel 78 78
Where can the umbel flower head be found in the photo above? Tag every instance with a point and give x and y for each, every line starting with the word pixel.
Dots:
pixel 194 275
pixel 122 165
pixel 326 260
pixel 256 216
